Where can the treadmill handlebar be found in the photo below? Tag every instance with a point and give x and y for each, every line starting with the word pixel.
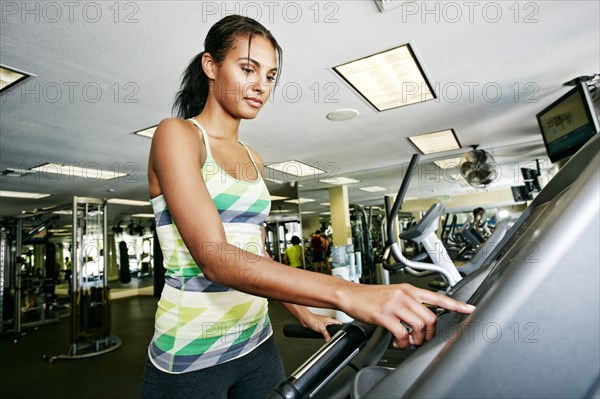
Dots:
pixel 393 212
pixel 294 330
pixel 321 367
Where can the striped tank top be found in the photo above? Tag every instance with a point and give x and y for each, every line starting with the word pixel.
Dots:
pixel 199 323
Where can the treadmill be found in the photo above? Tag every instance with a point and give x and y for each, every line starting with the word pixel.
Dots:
pixel 536 330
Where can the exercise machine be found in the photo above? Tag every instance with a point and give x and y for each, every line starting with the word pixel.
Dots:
pixel 529 295
pixel 535 330
pixel 423 233
pixel 90 332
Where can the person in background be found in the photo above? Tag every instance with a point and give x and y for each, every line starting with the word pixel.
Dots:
pixel 293 255
pixel 318 251
pixel 326 253
pixel 480 223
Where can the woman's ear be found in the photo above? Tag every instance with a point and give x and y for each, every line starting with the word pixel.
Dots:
pixel 208 65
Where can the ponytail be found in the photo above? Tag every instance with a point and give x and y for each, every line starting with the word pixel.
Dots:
pixel 190 100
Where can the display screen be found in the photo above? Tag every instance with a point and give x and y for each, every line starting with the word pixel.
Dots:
pixel 568 123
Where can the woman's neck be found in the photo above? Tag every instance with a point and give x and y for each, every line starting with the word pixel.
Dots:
pixel 219 123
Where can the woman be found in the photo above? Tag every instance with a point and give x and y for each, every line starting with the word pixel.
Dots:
pixel 212 333
pixel 293 254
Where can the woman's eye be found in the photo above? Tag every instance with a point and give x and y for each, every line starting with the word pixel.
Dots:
pixel 247 70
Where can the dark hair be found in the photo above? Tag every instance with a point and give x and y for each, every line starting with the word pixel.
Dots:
pixel 191 98
pixel 295 240
pixel 318 232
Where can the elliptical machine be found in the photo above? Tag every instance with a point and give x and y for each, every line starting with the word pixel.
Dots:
pixel 424 233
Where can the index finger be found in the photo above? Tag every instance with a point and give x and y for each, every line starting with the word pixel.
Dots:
pixel 442 301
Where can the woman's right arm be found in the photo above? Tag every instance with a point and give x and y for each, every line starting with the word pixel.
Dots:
pixel 175 159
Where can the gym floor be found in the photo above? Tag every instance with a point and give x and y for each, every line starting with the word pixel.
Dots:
pixel 118 374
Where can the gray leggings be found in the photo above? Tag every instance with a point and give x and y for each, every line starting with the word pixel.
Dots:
pixel 251 376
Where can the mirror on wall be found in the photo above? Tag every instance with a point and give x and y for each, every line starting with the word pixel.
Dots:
pixel 284 220
pixel 131 246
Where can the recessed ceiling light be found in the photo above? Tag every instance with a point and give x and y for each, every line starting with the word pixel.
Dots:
pixel 373 189
pixel 340 180
pixel 19 194
pixel 11 76
pixel 448 163
pixel 411 198
pixel 90 171
pixel 324 213
pixel 299 200
pixel 308 212
pixel 147 132
pixel 324 203
pixel 119 201
pixel 429 143
pixel 389 79
pixel 143 215
pixel 342 115
pixel 295 168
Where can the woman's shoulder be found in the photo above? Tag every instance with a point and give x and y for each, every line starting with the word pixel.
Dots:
pixel 173 124
pixel 183 129
pixel 176 137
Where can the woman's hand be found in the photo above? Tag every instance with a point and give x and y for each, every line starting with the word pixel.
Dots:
pixel 396 306
pixel 308 319
pixel 318 323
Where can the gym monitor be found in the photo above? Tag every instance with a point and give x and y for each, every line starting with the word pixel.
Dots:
pixel 568 123
pixel 521 193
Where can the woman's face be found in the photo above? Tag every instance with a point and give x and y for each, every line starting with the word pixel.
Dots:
pixel 243 84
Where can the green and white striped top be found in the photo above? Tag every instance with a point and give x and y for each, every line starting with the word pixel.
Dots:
pixel 198 323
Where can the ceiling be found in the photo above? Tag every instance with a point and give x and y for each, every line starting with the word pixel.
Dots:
pixel 105 69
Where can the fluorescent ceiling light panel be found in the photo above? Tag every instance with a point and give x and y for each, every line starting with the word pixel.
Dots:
pixel 273 180
pixel 277 198
pixel 308 212
pixel 14 172
pixel 280 211
pixel 389 79
pixel 299 200
pixel 64 212
pixel 295 168
pixel 430 143
pixel 143 215
pixel 10 77
pixel 88 172
pixel 386 5
pixel 340 180
pixel 19 194
pixel 448 163
pixel 373 189
pixel 147 132
pixel 119 201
